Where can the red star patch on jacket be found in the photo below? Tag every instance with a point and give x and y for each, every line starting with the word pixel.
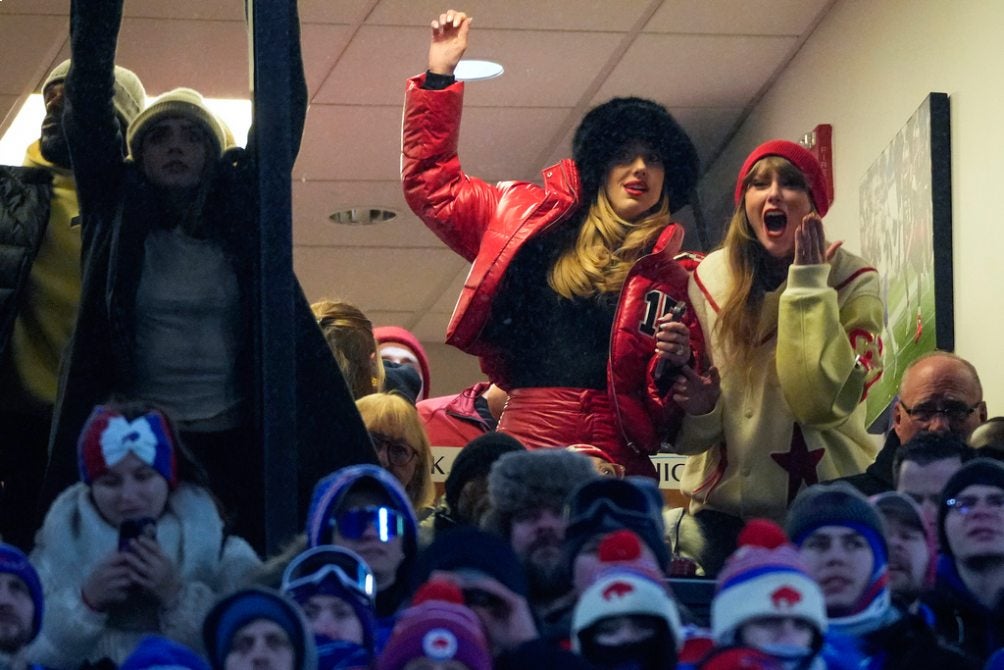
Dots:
pixel 799 462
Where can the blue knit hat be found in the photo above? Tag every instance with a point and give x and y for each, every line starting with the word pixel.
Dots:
pixel 334 571
pixel 238 610
pixel 155 651
pixel 328 493
pixel 14 562
pixel 840 504
pixel 467 548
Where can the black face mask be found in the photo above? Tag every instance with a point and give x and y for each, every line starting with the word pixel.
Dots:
pixel 655 653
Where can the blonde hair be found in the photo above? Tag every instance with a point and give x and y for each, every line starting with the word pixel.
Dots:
pixel 391 414
pixel 604 250
pixel 350 337
pixel 739 318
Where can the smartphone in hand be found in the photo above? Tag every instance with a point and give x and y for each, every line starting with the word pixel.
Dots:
pixel 130 529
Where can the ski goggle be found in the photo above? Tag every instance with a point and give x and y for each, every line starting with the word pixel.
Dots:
pixel 310 572
pixel 353 523
pixel 619 499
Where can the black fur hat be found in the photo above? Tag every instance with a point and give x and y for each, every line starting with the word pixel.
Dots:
pixel 606 129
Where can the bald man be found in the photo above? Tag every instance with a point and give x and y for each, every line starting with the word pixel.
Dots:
pixel 940 393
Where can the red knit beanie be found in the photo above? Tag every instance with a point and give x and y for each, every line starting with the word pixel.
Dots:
pixel 404 337
pixel 798 156
pixel 437 626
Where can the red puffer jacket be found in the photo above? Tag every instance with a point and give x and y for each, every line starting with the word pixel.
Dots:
pixel 487 224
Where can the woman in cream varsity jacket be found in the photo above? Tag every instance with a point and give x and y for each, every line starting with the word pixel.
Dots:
pixel 791 325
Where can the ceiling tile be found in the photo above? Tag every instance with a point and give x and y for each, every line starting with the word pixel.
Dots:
pixel 736 17
pixel 706 127
pixel 373 68
pixel 379 59
pixel 431 327
pixel 326 11
pixel 209 56
pixel 356 143
pixel 8 110
pixel 505 143
pixel 184 9
pixel 364 143
pixel 28 48
pixel 697 70
pixel 38 7
pixel 321 46
pixel 314 201
pixel 400 280
pixel 448 299
pixel 521 14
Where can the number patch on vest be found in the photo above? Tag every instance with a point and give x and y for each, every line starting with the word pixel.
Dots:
pixel 657 304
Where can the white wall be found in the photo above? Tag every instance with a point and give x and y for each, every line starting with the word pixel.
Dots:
pixel 865 70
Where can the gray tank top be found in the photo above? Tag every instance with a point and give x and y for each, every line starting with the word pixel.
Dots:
pixel 188 331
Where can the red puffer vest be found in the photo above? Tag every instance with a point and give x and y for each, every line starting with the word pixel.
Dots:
pixel 487 224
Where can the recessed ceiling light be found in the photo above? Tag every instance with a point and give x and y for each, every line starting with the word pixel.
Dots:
pixel 363 216
pixel 477 70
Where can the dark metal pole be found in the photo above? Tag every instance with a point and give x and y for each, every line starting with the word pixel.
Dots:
pixel 270 35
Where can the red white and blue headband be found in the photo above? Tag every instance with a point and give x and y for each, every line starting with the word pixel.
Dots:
pixel 108 437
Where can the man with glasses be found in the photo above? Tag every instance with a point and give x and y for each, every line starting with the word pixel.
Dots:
pixel 939 393
pixel 968 599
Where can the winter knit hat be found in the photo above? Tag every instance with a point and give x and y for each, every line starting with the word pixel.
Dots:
pixel 328 494
pixel 840 504
pixel 155 651
pixel 471 549
pixel 902 508
pixel 610 127
pixel 476 460
pixel 14 562
pixel 404 337
pixel 524 480
pixel 328 570
pixel 623 592
pixel 981 471
pixel 605 504
pixel 128 98
pixel 183 102
pixel 622 549
pixel 246 606
pixel 108 437
pixel 437 626
pixel 741 658
pixel 764 577
pixel 798 156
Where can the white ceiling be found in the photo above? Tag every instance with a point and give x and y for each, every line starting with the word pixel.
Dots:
pixel 706 60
